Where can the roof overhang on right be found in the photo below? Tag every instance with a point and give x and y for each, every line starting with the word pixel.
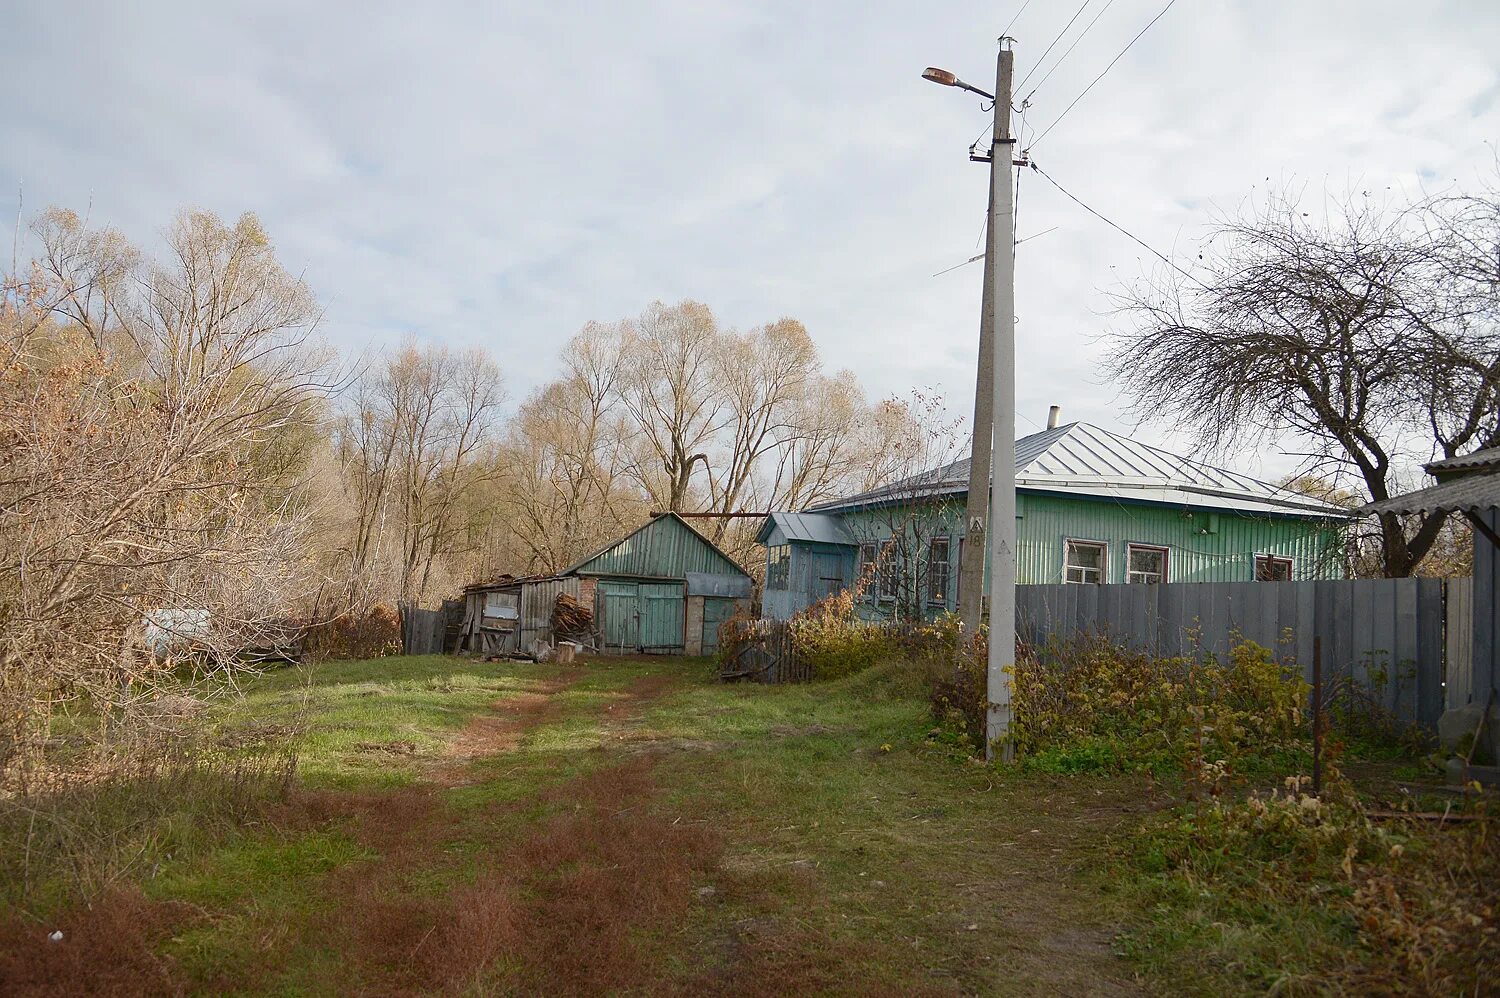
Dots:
pixel 1469 485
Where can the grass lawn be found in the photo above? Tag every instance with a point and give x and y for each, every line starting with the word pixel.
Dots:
pixel 623 825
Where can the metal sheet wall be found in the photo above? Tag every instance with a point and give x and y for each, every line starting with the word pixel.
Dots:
pixel 1387 634
pixel 664 549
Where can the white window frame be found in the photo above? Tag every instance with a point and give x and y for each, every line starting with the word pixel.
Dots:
pixel 1166 561
pixel 1103 569
pixel 1291 565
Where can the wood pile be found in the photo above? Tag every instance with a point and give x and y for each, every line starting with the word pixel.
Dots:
pixel 572 620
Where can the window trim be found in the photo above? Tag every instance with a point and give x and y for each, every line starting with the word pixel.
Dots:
pixel 868 554
pixel 1166 561
pixel 1103 546
pixel 1290 562
pixel 885 577
pixel 932 598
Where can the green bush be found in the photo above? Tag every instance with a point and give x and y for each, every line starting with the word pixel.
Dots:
pixel 829 637
pixel 1092 706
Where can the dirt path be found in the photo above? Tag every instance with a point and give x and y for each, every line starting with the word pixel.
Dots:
pixel 503 728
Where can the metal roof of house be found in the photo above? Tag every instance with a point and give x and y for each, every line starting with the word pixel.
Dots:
pixel 814 528
pixel 1087 460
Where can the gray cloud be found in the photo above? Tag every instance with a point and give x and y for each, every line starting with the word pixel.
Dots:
pixel 500 174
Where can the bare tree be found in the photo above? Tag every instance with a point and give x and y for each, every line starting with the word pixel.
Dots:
pixel 411 447
pixel 1362 335
pixel 671 389
pixel 137 509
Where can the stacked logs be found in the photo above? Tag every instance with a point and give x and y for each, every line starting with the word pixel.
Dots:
pixel 571 620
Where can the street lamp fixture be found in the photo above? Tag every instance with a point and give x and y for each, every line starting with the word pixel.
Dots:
pixel 947 79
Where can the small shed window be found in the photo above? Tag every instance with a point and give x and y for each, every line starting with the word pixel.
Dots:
pixel 778 566
pixel 1272 568
pixel 1084 562
pixel 1145 563
pixel 937 571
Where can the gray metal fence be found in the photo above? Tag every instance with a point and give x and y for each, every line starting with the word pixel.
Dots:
pixel 1388 635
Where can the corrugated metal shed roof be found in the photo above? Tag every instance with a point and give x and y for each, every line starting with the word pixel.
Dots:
pixel 1487 458
pixel 1473 493
pixel 665 547
pixel 814 528
pixel 1083 459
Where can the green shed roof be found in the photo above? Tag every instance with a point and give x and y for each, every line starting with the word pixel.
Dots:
pixel 665 547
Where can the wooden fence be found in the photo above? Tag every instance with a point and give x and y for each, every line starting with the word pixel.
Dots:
pixel 761 651
pixel 422 631
pixel 1398 639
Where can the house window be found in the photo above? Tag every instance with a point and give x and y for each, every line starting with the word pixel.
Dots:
pixel 778 566
pixel 1084 562
pixel 889 571
pixel 1272 568
pixel 865 572
pixel 937 571
pixel 1145 563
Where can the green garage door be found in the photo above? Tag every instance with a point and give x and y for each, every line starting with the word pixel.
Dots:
pixel 661 609
pixel 715 612
pixel 620 603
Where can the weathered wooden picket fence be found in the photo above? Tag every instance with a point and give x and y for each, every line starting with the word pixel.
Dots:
pixel 1398 639
pixel 761 651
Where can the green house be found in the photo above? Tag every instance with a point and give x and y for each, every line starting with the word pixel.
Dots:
pixel 1092 507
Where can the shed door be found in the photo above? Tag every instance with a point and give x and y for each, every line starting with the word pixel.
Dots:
pixel 715 612
pixel 827 574
pixel 620 605
pixel 662 607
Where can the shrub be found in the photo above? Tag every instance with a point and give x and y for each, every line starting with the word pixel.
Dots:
pixel 370 633
pixel 1091 705
pixel 830 638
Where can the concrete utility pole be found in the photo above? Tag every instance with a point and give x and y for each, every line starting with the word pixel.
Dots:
pixel 994 417
pixel 977 508
pixel 1000 320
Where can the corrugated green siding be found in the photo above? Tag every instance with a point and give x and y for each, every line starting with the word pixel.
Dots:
pixel 1202 547
pixel 663 549
pixel 1225 553
pixel 662 609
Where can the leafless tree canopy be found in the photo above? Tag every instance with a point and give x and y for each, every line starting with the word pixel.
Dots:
pixel 1371 336
pixel 154 422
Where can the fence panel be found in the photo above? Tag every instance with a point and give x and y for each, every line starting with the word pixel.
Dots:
pixel 1394 637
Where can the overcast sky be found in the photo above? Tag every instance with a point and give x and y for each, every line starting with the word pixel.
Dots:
pixel 501 173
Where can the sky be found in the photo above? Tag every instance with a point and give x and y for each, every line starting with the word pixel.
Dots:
pixel 498 174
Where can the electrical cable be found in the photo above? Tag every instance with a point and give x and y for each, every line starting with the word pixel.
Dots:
pixel 1004 32
pixel 1064 57
pixel 1049 48
pixel 1112 62
pixel 1120 229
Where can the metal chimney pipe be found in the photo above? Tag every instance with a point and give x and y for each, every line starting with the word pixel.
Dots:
pixel 1054 416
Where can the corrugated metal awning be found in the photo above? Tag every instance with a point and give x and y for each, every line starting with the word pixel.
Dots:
pixel 1473 493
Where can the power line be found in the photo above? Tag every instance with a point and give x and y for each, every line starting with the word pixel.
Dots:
pixel 1112 62
pixel 1006 30
pixel 1120 228
pixel 1060 34
pixel 1064 57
